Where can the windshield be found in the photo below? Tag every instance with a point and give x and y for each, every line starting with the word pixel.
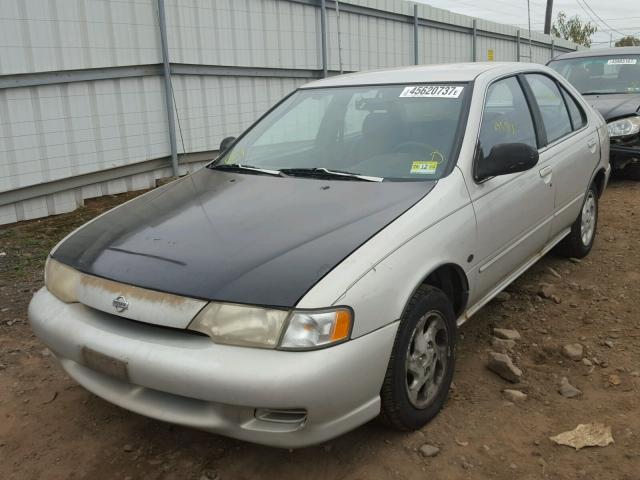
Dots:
pixel 601 75
pixel 392 131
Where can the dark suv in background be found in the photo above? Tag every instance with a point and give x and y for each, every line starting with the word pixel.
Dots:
pixel 609 79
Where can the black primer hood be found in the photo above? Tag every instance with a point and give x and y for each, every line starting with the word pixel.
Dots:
pixel 239 238
pixel 615 106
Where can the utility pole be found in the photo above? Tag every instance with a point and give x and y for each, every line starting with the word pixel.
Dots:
pixel 323 29
pixel 339 36
pixel 529 18
pixel 547 17
pixel 168 87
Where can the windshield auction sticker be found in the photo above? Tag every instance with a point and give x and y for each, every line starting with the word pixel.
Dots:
pixel 432 91
pixel 622 61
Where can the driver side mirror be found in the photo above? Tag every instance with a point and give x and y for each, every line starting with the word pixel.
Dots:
pixel 226 143
pixel 505 158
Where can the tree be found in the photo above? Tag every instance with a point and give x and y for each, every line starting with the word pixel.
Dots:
pixel 573 29
pixel 629 41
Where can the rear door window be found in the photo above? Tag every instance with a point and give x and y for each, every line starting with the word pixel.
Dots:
pixel 555 117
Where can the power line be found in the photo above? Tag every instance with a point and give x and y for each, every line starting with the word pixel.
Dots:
pixel 599 17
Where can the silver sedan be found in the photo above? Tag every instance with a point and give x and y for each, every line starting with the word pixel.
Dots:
pixel 316 273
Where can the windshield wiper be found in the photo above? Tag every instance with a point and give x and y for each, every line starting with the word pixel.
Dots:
pixel 236 167
pixel 325 172
pixel 595 92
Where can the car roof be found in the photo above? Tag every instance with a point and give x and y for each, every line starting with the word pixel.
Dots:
pixel 599 52
pixel 450 72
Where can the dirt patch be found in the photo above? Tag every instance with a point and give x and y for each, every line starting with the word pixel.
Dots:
pixel 53 428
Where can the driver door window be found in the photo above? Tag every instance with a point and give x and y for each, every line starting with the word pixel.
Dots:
pixel 506 117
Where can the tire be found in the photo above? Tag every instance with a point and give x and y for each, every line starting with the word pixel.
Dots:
pixel 429 315
pixel 632 171
pixel 579 242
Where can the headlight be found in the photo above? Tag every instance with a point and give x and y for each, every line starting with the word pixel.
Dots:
pixel 307 330
pixel 61 280
pixel 263 327
pixel 624 127
pixel 240 324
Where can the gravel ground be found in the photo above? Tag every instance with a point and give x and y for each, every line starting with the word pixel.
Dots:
pixel 52 428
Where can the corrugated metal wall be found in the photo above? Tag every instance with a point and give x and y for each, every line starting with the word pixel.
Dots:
pixel 81 91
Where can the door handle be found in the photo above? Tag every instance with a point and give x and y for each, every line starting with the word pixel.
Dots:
pixel 546 171
pixel 591 144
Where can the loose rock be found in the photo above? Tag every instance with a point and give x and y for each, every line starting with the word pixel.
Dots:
pixel 428 450
pixel 588 435
pixel 506 334
pixel 514 395
pixel 573 351
pixel 554 272
pixel 462 443
pixel 502 345
pixel 545 291
pixel 567 390
pixel 467 465
pixel 128 448
pixel 502 297
pixel 209 475
pixel 502 365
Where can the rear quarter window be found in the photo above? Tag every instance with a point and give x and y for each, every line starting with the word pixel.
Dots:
pixel 576 113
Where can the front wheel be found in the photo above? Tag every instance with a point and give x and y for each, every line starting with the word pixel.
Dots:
pixel 583 231
pixel 422 362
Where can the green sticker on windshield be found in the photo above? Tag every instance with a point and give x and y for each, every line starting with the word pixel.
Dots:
pixel 427 167
pixel 424 167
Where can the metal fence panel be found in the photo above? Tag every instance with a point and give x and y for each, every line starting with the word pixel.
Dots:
pixel 57 131
pixel 53 35
pixel 224 105
pixel 255 33
pixel 81 86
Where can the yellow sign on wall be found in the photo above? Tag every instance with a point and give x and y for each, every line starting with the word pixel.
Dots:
pixel 490 55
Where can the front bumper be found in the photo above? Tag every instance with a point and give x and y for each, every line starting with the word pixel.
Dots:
pixel 183 378
pixel 622 155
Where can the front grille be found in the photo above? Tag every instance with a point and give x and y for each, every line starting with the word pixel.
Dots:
pixel 119 318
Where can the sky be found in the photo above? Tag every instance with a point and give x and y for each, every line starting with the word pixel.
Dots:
pixel 614 18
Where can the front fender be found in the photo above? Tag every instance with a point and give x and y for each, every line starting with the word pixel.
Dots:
pixel 379 278
pixel 381 295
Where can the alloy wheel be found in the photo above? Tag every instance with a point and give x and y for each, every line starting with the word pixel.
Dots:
pixel 588 219
pixel 426 359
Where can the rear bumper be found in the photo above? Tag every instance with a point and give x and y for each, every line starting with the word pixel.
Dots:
pixel 187 379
